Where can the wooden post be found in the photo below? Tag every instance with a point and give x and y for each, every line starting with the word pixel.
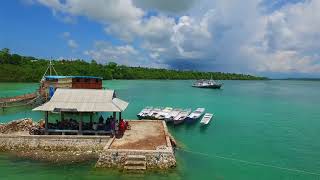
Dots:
pixel 80 124
pixel 120 117
pixel 91 118
pixel 115 116
pixel 115 122
pixel 46 117
pixel 61 116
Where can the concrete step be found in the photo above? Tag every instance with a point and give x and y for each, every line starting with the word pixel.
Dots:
pixel 136 157
pixel 134 163
pixel 135 167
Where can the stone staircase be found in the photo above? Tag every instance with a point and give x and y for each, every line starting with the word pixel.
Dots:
pixel 135 162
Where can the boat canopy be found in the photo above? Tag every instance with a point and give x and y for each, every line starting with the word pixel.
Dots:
pixel 81 77
pixel 83 100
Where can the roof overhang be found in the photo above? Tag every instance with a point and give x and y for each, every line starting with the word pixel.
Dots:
pixel 83 100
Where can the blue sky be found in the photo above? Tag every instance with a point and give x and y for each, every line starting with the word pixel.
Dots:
pixel 277 38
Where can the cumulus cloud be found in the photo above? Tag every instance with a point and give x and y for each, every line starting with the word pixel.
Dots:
pixel 240 36
pixel 70 42
pixel 176 6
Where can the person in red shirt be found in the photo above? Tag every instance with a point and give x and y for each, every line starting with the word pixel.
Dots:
pixel 122 126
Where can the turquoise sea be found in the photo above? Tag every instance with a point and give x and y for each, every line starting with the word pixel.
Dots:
pixel 261 130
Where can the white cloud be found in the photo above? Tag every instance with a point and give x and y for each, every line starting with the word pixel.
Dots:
pixel 219 35
pixel 72 44
pixel 66 34
pixel 104 52
pixel 170 6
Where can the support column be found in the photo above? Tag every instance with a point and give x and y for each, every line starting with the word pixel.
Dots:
pixel 115 116
pixel 120 117
pixel 61 116
pixel 115 122
pixel 80 125
pixel 46 117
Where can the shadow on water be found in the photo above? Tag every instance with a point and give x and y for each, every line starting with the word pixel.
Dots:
pixel 204 128
pixel 191 125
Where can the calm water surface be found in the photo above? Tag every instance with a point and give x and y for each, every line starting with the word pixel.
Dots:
pixel 262 130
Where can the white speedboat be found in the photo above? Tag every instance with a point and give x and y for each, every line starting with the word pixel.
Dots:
pixel 170 116
pixel 206 119
pixel 144 112
pixel 153 113
pixel 181 116
pixel 195 115
pixel 161 115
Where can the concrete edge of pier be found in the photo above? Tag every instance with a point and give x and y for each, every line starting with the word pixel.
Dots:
pixel 74 148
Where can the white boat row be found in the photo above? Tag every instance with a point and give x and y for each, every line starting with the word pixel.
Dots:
pixel 175 115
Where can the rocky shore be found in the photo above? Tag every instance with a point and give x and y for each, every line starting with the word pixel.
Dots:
pixel 21 126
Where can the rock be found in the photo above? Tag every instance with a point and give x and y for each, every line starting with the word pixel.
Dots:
pixel 17 126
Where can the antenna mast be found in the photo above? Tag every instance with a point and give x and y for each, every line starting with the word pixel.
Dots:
pixel 50 68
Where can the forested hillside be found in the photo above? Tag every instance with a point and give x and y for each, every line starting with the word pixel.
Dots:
pixel 18 68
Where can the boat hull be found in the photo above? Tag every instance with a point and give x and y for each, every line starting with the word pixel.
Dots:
pixel 209 86
pixel 190 120
pixel 176 122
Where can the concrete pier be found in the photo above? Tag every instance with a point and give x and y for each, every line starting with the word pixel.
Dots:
pixel 146 145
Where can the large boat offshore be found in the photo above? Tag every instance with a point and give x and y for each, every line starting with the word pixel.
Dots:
pixel 211 84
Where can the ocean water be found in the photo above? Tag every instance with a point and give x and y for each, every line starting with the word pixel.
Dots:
pixel 261 130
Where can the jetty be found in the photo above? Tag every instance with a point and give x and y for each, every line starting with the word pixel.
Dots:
pixel 146 145
pixel 141 145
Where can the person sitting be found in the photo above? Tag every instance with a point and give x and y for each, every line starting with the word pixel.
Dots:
pixel 122 127
pixel 101 120
pixel 95 126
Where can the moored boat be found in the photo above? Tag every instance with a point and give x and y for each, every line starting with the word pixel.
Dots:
pixel 181 116
pixel 206 119
pixel 207 84
pixel 162 114
pixel 170 116
pixel 153 113
pixel 195 115
pixel 144 112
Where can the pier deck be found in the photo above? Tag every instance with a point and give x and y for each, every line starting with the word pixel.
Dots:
pixel 146 145
pixel 146 135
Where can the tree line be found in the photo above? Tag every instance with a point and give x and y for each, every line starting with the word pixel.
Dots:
pixel 18 68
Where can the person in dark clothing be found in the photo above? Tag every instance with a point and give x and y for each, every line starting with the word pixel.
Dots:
pixel 101 120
